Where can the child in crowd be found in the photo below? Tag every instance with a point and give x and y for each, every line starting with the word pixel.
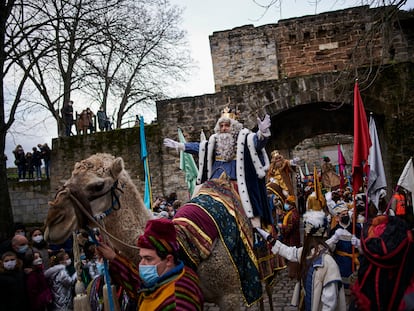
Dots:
pixel 60 282
pixel 38 290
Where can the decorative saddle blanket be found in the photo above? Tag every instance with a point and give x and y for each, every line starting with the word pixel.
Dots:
pixel 217 212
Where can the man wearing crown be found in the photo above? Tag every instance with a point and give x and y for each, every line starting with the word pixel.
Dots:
pixel 240 154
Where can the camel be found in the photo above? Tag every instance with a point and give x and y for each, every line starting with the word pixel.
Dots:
pixel 100 185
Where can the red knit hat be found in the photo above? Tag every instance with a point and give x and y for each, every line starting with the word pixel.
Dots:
pixel 159 235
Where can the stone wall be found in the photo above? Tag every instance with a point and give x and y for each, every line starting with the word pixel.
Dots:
pixel 328 42
pixel 29 201
pixel 125 143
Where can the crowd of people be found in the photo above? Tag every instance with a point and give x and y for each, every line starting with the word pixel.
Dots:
pixel 353 254
pixel 29 164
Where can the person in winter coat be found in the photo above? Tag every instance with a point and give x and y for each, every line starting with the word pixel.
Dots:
pixel 39 244
pixel 20 162
pixel 37 162
pixel 61 283
pixel 38 290
pixel 320 279
pixel 12 284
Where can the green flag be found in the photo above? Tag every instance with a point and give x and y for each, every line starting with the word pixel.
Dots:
pixel 188 165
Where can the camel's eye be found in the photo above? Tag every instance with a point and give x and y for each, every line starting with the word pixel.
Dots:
pixel 96 187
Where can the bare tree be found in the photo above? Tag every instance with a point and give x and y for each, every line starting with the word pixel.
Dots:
pixel 16 43
pixel 144 49
pixel 72 30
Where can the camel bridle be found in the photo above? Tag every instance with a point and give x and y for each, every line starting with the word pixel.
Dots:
pixel 83 209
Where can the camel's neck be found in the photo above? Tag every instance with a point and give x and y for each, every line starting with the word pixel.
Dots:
pixel 129 221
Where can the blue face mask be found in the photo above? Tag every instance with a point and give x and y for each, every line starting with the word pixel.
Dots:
pixel 100 268
pixel 22 249
pixel 148 274
pixel 286 206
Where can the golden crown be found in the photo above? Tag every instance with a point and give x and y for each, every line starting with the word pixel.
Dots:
pixel 229 114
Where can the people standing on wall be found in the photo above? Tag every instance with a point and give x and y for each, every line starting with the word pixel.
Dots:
pixel 103 120
pixel 37 162
pixel 67 115
pixel 90 115
pixel 46 152
pixel 20 162
pixel 29 165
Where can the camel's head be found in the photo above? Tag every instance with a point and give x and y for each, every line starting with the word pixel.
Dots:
pixel 92 189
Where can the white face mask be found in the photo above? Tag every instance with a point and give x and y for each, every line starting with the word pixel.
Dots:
pixel 38 238
pixel 9 265
pixel 37 261
pixel 68 262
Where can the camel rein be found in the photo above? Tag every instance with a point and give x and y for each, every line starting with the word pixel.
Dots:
pixel 80 206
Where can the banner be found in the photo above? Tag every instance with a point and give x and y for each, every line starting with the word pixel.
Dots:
pixel 144 159
pixel 188 165
pixel 376 176
pixel 341 166
pixel 362 142
pixel 406 179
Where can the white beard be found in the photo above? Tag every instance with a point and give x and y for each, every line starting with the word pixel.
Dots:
pixel 226 146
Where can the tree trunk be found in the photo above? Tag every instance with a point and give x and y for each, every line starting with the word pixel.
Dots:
pixel 6 214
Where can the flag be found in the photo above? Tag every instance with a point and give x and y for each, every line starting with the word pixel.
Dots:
pixel 307 173
pixel 407 178
pixel 144 159
pixel 376 176
pixel 341 166
pixel 188 166
pixel 318 188
pixel 302 176
pixel 202 136
pixel 362 141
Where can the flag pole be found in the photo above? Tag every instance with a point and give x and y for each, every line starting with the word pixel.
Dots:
pixel 362 144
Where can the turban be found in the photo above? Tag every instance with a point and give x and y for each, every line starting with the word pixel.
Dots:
pixel 159 235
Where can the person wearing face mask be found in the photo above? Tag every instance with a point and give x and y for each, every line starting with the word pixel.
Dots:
pixel 39 244
pixel 39 293
pixel 60 282
pixel 18 229
pixel 161 281
pixel 19 245
pixel 12 284
pixel 342 241
pixel 290 230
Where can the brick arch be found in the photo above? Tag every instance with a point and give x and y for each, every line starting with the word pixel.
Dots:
pixel 291 126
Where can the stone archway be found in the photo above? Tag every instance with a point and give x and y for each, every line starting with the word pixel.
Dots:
pixel 291 126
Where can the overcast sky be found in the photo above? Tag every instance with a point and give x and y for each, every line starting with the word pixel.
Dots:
pixel 200 20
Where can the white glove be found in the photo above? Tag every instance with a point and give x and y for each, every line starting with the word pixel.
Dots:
pixel 295 161
pixel 356 242
pixel 173 144
pixel 264 126
pixel 336 237
pixel 267 236
pixel 263 233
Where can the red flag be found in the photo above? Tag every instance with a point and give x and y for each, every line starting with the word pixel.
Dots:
pixel 341 164
pixel 362 141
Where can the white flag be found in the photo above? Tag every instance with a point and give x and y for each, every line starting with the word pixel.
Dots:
pixel 407 178
pixel 376 178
